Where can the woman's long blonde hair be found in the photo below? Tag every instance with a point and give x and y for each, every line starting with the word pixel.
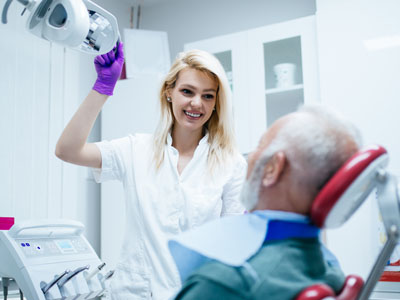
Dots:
pixel 220 125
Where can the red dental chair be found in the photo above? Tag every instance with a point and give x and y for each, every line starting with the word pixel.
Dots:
pixel 338 200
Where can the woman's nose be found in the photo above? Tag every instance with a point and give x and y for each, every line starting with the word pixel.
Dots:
pixel 196 101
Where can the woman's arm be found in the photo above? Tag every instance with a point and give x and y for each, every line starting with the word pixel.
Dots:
pixel 72 146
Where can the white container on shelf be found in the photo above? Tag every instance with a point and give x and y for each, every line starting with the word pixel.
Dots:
pixel 285 75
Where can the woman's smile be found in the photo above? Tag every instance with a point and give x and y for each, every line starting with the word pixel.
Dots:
pixel 193 115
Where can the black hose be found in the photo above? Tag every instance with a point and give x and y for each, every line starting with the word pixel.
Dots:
pixel 6 283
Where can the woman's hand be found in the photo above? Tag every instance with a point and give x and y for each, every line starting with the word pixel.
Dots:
pixel 108 67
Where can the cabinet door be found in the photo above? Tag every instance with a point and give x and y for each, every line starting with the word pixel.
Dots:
pixel 260 94
pixel 231 50
pixel 283 71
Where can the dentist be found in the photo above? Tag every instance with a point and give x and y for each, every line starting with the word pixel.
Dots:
pixel 187 173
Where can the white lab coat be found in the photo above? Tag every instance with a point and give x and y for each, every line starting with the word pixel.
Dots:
pixel 161 204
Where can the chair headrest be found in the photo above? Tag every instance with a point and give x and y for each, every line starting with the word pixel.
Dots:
pixel 348 187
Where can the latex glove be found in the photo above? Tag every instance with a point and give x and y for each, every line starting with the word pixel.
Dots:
pixel 108 67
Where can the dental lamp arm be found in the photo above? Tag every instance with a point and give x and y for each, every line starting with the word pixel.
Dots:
pixel 5 10
pixel 7 6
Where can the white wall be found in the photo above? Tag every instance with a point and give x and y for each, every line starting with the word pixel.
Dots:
pixel 364 85
pixel 192 20
pixel 42 85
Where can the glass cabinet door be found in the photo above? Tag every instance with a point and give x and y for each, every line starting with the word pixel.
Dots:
pixel 283 71
pixel 283 77
pixel 225 59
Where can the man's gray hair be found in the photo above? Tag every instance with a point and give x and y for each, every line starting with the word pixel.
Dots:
pixel 315 145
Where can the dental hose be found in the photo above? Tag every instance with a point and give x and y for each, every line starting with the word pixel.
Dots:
pixel 6 283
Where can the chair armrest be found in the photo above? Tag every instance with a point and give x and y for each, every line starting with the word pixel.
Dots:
pixel 351 288
pixel 316 292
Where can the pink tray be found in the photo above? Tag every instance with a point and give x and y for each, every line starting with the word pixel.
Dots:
pixel 6 223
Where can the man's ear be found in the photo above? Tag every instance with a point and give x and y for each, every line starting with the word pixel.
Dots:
pixel 274 169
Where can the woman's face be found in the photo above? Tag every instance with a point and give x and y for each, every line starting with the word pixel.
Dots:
pixel 193 99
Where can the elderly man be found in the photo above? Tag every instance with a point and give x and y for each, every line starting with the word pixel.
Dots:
pixel 273 252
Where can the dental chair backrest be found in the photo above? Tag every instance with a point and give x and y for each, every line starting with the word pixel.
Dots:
pixel 337 201
pixel 348 188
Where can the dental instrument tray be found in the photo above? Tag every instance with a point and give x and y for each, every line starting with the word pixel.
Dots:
pixel 51 259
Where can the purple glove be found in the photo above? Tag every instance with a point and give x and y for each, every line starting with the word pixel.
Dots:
pixel 108 67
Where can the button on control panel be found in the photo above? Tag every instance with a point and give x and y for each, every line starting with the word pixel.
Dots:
pixel 51 247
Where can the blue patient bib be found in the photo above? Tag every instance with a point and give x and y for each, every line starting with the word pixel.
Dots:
pixel 233 240
pixel 279 230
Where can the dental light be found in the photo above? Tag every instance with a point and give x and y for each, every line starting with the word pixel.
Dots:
pixel 77 24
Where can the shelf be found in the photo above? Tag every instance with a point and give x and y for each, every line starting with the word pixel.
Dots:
pixel 282 90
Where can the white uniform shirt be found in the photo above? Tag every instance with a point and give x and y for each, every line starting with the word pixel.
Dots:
pixel 161 204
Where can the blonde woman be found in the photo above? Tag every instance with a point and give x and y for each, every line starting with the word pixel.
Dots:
pixel 185 174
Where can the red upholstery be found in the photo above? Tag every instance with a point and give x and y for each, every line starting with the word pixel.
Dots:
pixel 352 286
pixel 316 292
pixel 341 182
pixel 337 201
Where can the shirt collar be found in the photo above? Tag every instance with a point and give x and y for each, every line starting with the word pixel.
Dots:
pixel 203 140
pixel 281 215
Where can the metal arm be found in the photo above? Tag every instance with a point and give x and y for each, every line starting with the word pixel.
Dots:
pixel 379 265
pixel 5 10
pixel 7 6
pixel 389 205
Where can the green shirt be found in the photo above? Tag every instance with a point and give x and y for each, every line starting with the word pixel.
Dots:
pixel 280 270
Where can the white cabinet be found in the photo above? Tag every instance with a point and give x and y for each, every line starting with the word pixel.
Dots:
pixel 260 94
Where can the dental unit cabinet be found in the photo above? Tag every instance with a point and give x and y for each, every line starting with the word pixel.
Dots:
pixel 51 260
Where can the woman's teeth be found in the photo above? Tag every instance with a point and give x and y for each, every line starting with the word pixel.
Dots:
pixel 192 115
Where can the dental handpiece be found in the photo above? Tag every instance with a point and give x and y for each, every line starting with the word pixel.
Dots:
pixel 70 275
pixel 108 275
pixel 95 271
pixel 46 287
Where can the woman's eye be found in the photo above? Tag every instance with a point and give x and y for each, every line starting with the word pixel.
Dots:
pixel 186 91
pixel 209 96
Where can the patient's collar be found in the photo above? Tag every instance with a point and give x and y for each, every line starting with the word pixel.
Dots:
pixel 233 240
pixel 282 229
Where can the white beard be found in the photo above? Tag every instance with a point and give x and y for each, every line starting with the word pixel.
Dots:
pixel 249 194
